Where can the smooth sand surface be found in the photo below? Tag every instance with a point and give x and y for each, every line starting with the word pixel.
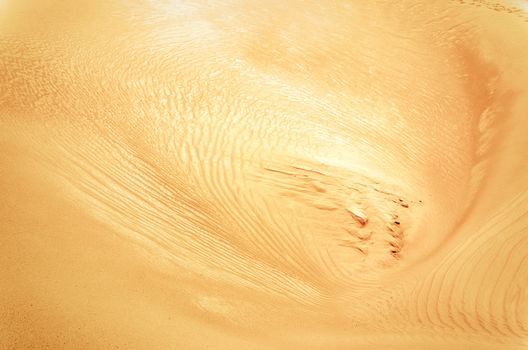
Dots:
pixel 263 174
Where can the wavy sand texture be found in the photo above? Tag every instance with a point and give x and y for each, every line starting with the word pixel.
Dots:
pixel 263 174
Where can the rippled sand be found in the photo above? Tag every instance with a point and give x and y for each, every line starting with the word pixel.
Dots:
pixel 263 175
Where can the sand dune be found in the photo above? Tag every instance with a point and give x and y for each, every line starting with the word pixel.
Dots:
pixel 263 175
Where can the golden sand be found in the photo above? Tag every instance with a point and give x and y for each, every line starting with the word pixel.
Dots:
pixel 263 174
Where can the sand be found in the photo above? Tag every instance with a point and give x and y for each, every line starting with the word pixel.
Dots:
pixel 263 175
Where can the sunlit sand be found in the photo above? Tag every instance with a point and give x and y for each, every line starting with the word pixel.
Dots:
pixel 263 175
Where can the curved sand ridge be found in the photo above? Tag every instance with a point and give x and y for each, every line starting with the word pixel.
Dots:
pixel 278 175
